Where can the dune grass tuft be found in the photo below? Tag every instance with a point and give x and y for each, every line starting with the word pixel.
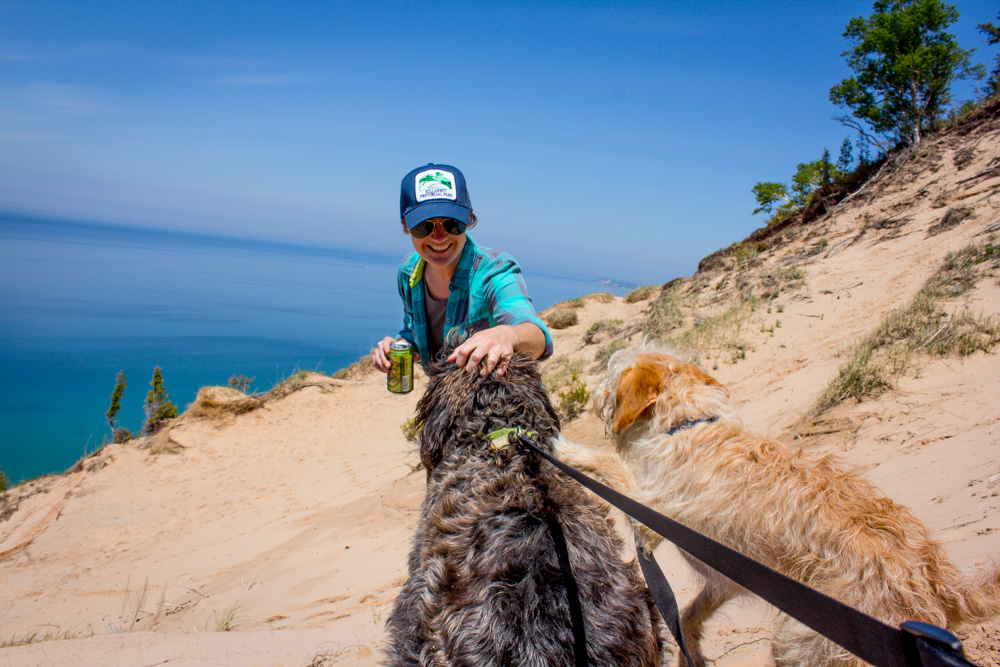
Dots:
pixel 922 327
pixel 641 293
pixel 561 318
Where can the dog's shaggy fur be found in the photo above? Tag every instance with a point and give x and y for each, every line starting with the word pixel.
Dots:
pixel 485 585
pixel 805 516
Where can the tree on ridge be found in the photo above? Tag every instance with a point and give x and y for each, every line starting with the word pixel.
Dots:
pixel 904 64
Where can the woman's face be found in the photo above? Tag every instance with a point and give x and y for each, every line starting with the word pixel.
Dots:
pixel 439 248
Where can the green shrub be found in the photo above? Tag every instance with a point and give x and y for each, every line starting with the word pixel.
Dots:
pixel 573 401
pixel 411 429
pixel 4 481
pixel 121 435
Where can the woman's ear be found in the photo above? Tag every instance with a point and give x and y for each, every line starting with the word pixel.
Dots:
pixel 638 389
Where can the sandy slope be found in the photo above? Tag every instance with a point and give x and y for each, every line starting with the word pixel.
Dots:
pixel 290 524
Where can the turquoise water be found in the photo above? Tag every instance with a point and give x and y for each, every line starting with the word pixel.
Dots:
pixel 81 301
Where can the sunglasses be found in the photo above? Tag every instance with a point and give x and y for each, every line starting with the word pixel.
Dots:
pixel 450 225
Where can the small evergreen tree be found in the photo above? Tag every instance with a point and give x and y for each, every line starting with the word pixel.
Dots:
pixel 158 406
pixel 118 434
pixel 846 158
pixel 121 382
pixel 825 168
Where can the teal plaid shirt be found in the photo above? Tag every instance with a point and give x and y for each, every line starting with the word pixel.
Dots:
pixel 487 290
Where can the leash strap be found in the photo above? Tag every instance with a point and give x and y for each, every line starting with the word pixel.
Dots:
pixel 913 645
pixel 663 595
pixel 572 591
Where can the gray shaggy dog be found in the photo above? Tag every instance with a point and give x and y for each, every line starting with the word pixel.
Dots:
pixel 485 583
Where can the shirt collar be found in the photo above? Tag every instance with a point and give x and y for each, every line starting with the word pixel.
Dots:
pixel 465 264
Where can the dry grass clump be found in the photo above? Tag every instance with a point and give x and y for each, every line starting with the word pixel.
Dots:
pixel 602 297
pixel 602 329
pixel 291 384
pixel 773 283
pixel 922 327
pixel 361 368
pixel 641 293
pixel 161 443
pixel 953 218
pixel 561 318
pixel 218 402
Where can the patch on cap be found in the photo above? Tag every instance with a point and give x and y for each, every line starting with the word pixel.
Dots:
pixel 435 184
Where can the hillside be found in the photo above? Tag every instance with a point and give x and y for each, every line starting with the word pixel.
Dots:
pixel 274 531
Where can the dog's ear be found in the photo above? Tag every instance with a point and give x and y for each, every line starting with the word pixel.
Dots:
pixel 701 377
pixel 637 390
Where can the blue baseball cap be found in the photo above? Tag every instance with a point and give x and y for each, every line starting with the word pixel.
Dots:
pixel 434 191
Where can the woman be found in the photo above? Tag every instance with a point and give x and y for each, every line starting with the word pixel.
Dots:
pixel 450 282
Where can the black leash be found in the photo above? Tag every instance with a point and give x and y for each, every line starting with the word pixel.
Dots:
pixel 572 591
pixel 914 644
pixel 663 595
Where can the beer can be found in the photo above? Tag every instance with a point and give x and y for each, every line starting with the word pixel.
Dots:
pixel 400 377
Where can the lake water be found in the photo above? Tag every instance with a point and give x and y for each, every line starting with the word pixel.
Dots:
pixel 81 301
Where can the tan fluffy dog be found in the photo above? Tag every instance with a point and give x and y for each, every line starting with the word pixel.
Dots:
pixel 803 515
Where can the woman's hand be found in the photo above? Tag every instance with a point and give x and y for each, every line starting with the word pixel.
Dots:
pixel 497 345
pixel 380 355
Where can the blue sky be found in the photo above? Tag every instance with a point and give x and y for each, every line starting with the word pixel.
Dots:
pixel 613 139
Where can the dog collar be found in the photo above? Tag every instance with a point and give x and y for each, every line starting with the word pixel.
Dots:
pixel 500 438
pixel 688 423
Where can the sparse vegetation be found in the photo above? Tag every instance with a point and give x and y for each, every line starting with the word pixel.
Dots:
pixel 241 383
pixel 411 429
pixel 723 334
pixel 4 481
pixel 563 370
pixel 922 327
pixel 641 293
pixel 773 283
pixel 605 351
pixel 665 316
pixel 227 621
pixel 573 401
pixel 561 318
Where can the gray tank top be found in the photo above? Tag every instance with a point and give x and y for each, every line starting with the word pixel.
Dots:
pixel 436 309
